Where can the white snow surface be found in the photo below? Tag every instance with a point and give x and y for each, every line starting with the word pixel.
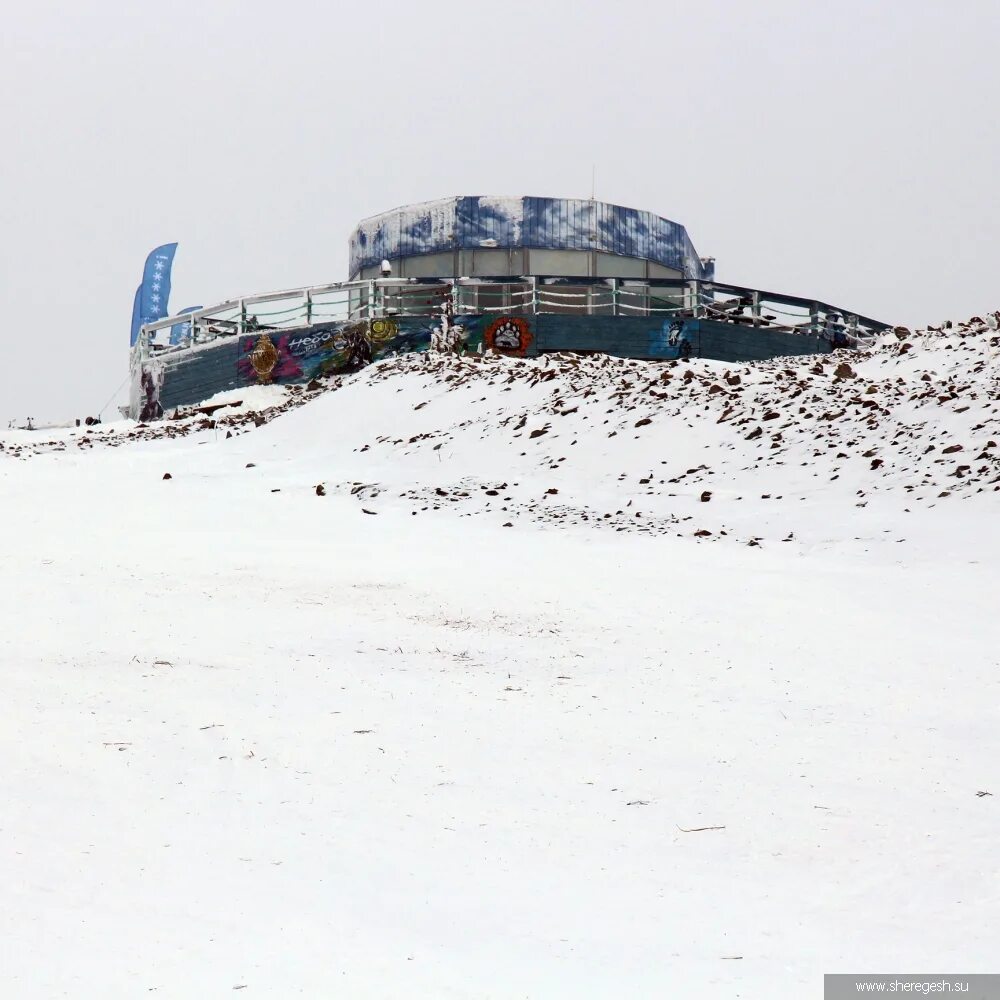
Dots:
pixel 437 731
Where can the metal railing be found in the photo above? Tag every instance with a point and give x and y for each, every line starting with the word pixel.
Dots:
pixel 664 298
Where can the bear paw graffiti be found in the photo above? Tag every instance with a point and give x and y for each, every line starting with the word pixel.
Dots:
pixel 508 335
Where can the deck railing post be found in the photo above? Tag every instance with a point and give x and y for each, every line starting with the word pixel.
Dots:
pixel 309 307
pixel 242 326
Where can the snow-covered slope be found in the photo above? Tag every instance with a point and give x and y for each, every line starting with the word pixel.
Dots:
pixel 637 446
pixel 489 678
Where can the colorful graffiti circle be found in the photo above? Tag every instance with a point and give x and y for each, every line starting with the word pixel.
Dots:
pixel 383 329
pixel 264 358
pixel 508 335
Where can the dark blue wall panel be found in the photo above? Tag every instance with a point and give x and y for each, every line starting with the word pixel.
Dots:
pixel 659 339
pixel 189 377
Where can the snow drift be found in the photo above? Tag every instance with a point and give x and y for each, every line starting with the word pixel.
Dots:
pixel 488 678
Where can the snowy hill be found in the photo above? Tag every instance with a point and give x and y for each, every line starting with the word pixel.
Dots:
pixel 477 677
pixel 815 445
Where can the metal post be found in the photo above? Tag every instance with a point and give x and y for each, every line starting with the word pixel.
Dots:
pixel 243 318
pixel 534 295
pixel 309 307
pixel 755 308
pixel 695 287
pixel 371 298
pixel 614 296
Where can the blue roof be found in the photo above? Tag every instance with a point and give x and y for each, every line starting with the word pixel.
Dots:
pixel 471 222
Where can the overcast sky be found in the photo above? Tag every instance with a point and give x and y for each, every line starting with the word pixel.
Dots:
pixel 846 150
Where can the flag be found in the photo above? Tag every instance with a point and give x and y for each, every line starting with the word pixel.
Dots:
pixel 135 316
pixel 155 288
pixel 180 332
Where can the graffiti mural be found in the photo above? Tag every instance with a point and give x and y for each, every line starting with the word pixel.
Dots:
pixel 337 348
pixel 508 335
pixel 264 358
pixel 672 340
pixel 185 377
pixel 384 329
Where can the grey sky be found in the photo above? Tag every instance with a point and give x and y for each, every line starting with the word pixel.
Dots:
pixel 846 150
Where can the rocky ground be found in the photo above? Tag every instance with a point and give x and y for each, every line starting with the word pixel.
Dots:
pixel 633 445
